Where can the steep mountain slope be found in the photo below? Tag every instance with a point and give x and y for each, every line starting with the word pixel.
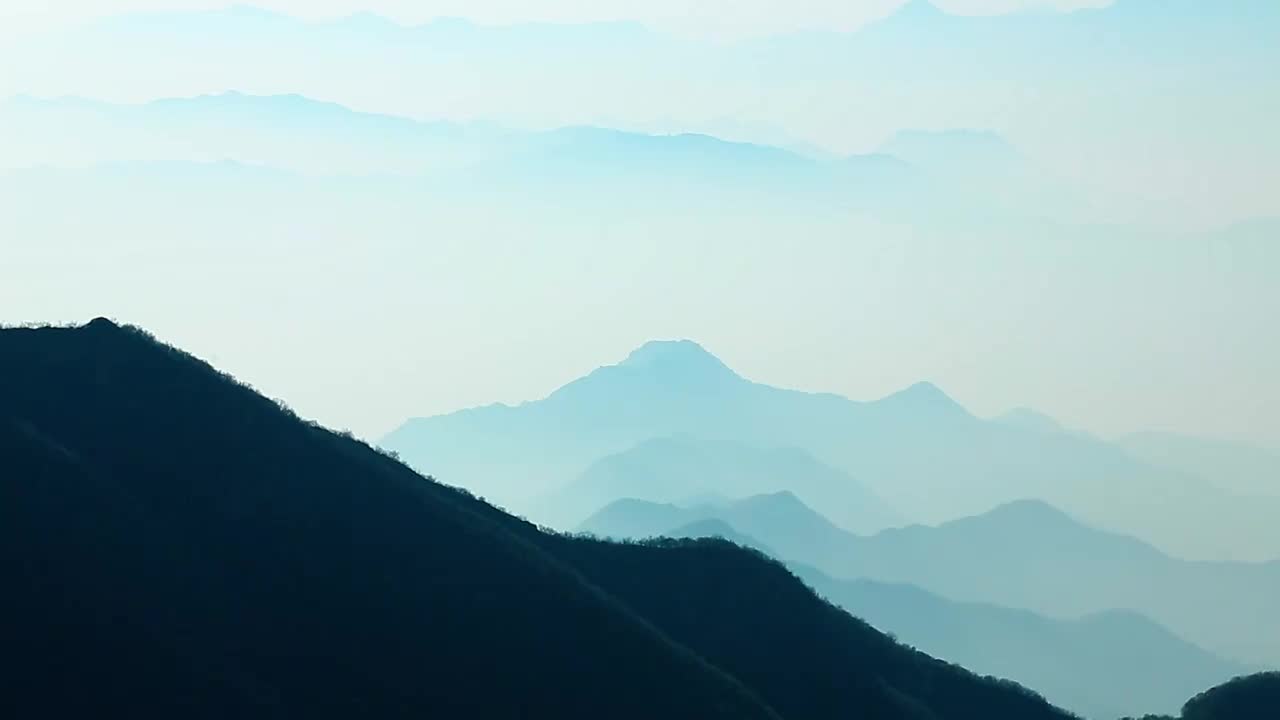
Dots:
pixel 919 450
pixel 200 552
pixel 242 562
pixel 673 469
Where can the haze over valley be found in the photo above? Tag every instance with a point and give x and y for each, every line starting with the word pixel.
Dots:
pixel 877 359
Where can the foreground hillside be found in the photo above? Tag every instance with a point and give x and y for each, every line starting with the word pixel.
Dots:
pixel 186 548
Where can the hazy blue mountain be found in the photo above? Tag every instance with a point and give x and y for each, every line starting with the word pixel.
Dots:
pixel 780 521
pixel 1102 665
pixel 677 468
pixel 288 132
pixel 1031 555
pixel 299 134
pixel 961 175
pixel 716 528
pixel 1029 419
pixel 244 563
pixel 1234 466
pixel 1022 555
pixel 641 519
pixel 638 77
pixel 919 450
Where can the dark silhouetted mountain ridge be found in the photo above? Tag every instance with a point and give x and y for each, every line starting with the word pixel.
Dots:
pixel 187 548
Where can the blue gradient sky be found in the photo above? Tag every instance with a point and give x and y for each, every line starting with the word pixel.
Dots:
pixel 1152 311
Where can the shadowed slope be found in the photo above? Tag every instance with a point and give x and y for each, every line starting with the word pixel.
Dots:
pixel 272 567
pixel 205 554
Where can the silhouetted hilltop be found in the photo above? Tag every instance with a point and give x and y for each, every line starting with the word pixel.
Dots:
pixel 187 548
pixel 1252 697
pixel 200 552
pixel 1246 698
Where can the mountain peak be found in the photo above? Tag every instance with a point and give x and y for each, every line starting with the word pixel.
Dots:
pixel 923 396
pixel 101 324
pixel 915 12
pixel 681 359
pixel 781 498
pixel 1033 513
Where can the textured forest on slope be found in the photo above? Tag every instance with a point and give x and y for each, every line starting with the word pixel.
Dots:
pixel 187 548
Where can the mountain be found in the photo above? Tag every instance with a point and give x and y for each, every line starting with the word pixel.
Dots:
pixel 1060 567
pixel 672 469
pixel 190 548
pixel 1234 466
pixel 715 528
pixel 1025 555
pixel 791 530
pixel 286 132
pixel 534 75
pixel 920 451
pixel 314 138
pixel 1101 665
pixel 1253 697
pixel 1029 419
pixel 1246 698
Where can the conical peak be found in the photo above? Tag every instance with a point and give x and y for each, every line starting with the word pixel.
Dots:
pixel 676 359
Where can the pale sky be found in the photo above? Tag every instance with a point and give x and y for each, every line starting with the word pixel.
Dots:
pixel 1121 335
pixel 710 17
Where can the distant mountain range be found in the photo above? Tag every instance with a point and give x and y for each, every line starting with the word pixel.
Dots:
pixel 1022 555
pixel 1101 666
pixel 1234 466
pixel 922 453
pixel 684 469
pixel 534 75
pixel 183 547
pixel 315 138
